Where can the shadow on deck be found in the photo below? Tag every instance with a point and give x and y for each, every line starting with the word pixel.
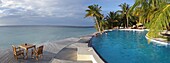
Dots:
pixel 50 51
pixel 9 58
pixel 54 52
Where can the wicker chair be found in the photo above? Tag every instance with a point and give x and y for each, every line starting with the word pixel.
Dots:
pixel 38 52
pixel 17 52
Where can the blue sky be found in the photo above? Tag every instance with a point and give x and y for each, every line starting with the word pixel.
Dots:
pixel 52 12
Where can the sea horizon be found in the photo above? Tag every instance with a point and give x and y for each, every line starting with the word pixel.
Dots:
pixel 71 26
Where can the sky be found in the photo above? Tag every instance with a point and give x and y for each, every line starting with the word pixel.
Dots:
pixel 53 12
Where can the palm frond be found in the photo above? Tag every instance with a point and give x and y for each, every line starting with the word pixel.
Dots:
pixel 160 21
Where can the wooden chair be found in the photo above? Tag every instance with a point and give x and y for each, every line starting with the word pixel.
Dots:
pixel 17 52
pixel 38 52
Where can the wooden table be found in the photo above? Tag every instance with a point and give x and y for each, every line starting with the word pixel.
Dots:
pixel 26 47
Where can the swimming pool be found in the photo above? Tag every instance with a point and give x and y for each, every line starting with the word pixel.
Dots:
pixel 120 46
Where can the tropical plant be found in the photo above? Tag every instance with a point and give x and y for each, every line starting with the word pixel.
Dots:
pixel 156 13
pixel 112 19
pixel 104 25
pixel 125 14
pixel 101 23
pixel 94 11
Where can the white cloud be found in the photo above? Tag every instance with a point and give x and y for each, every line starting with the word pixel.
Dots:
pixel 40 8
pixel 50 11
pixel 58 12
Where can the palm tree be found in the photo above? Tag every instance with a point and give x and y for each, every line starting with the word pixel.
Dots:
pixel 125 14
pixel 112 18
pixel 104 25
pixel 94 11
pixel 154 12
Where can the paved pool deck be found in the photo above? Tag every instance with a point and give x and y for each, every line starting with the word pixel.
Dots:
pixel 61 51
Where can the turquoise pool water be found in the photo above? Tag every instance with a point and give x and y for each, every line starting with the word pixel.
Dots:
pixel 38 34
pixel 129 47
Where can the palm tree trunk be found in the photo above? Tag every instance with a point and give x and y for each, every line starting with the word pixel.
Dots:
pixel 97 25
pixel 127 21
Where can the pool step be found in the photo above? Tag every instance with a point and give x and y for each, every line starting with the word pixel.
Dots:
pixel 88 54
pixel 66 61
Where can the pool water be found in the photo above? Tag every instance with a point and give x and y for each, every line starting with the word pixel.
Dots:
pixel 129 47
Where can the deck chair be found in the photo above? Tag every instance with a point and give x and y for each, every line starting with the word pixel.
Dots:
pixel 38 52
pixel 17 52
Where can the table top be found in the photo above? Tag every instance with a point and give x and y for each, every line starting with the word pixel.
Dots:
pixel 26 46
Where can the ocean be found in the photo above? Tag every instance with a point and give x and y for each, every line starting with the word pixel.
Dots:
pixel 15 35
